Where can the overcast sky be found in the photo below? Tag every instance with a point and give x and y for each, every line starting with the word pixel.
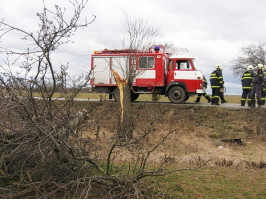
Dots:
pixel 212 30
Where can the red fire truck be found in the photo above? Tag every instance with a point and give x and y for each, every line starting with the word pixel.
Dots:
pixel 156 72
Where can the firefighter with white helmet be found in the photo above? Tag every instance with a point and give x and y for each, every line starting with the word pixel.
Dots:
pixel 257 81
pixel 263 92
pixel 217 66
pixel 246 80
pixel 217 82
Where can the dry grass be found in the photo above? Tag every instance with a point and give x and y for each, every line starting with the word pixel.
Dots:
pixel 193 141
pixel 232 171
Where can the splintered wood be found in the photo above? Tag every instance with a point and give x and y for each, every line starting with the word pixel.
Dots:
pixel 121 84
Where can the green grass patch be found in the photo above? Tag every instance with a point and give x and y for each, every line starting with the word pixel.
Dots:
pixel 214 183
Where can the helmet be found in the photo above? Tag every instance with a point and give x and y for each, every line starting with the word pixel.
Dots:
pixel 217 66
pixel 250 67
pixel 260 66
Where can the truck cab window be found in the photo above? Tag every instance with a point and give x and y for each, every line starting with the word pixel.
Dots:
pixel 146 62
pixel 182 64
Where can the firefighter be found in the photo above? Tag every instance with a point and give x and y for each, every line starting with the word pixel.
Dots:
pixel 216 83
pixel 205 84
pixel 263 92
pixel 221 91
pixel 257 81
pixel 246 80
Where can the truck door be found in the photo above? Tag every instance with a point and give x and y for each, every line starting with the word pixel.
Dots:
pixel 101 70
pixel 146 72
pixel 183 72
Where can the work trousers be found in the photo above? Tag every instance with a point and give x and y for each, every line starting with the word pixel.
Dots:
pixel 263 94
pixel 215 95
pixel 205 95
pixel 245 96
pixel 256 89
pixel 221 94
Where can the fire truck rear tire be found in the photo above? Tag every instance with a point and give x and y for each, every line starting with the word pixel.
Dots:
pixel 177 94
pixel 116 94
pixel 134 96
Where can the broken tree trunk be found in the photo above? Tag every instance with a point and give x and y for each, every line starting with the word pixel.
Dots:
pixel 125 123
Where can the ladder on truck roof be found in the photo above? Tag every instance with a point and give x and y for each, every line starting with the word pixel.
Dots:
pixel 152 49
pixel 116 51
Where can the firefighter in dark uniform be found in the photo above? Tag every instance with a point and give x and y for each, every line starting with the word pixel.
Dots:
pixel 257 81
pixel 263 93
pixel 221 94
pixel 246 80
pixel 216 83
pixel 205 84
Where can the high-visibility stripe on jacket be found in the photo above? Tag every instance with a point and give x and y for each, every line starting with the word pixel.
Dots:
pixel 216 79
pixel 247 80
pixel 205 83
pixel 264 78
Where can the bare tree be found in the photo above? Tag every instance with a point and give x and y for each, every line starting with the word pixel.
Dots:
pixel 250 55
pixel 140 35
pixel 39 137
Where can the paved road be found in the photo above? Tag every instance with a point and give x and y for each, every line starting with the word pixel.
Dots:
pixel 224 105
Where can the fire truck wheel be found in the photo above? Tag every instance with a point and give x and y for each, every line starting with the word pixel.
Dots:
pixel 116 94
pixel 177 94
pixel 134 96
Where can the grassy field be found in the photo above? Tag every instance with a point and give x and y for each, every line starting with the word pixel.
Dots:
pixel 218 170
pixel 232 171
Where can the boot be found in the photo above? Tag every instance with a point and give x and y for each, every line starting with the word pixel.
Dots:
pixel 259 104
pixel 263 102
pixel 197 100
pixel 252 104
pixel 249 102
pixel 216 101
pixel 208 98
pixel 212 101
pixel 242 102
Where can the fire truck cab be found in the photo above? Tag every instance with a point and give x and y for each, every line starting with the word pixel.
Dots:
pixel 154 72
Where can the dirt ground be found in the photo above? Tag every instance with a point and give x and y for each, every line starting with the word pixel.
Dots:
pixel 198 134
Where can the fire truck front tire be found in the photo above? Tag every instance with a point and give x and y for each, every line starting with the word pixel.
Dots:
pixel 177 94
